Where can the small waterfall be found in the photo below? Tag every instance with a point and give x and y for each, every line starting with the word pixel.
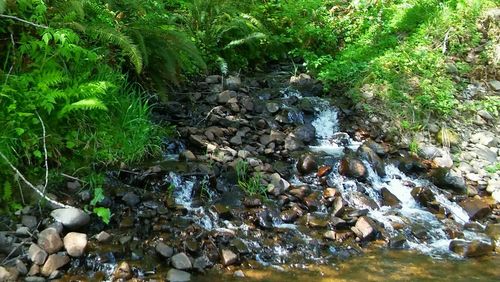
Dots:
pixel 410 214
pixel 326 123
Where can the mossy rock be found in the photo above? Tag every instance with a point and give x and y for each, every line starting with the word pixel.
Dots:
pixel 447 137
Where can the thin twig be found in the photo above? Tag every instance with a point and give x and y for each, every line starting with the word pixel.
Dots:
pixel 73 178
pixel 206 117
pixel 445 41
pixel 45 153
pixel 54 202
pixel 23 21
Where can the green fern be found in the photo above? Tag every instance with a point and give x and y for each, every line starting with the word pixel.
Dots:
pixel 84 104
pixel 113 36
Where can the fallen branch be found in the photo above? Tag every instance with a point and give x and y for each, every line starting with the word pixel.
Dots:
pixel 42 192
pixel 54 202
pixel 23 21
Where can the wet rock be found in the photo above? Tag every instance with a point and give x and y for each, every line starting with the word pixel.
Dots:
pixel 306 165
pixel 389 199
pixel 200 263
pixel 330 193
pixel 305 133
pixel 292 143
pixel 397 241
pixel 475 208
pixel 330 235
pixel 34 270
pixel 123 271
pixel 50 241
pixel 239 274
pixel 366 227
pixel 252 202
pixel 164 250
pixel 223 211
pixel 187 155
pixel 131 199
pixel 240 246
pixel 264 219
pixel 300 192
pixel 381 149
pixel 448 179
pixel 23 231
pixel 53 263
pixel 228 257
pixel 493 231
pixel 37 255
pixel 362 200
pixel 103 236
pixel 71 218
pixel 475 248
pixel 29 221
pixel 323 170
pixel 236 140
pixel 423 195
pixel 8 274
pixel 232 82
pixel 213 79
pixel 75 243
pixel 280 185
pixel 272 107
pixel 289 216
pixel 365 152
pixel 317 220
pixel 338 207
pixel 181 261
pixel 352 167
pixel 174 275
pixel 409 164
pixel 313 201
pixel 21 267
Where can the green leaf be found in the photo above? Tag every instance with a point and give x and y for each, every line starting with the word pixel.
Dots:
pixel 46 37
pixel 98 196
pixel 103 213
pixel 70 144
pixel 37 154
pixel 19 131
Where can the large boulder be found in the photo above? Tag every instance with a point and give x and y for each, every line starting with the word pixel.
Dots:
pixel 53 263
pixel 365 152
pixel 305 133
pixel 448 180
pixel 353 167
pixel 50 241
pixel 71 218
pixel 306 165
pixel 365 228
pixel 475 248
pixel 75 243
pixel 181 261
pixel 475 208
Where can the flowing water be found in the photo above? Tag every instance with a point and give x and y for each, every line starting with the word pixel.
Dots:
pixel 279 251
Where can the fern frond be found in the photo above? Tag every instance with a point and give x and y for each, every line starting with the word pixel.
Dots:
pixel 251 37
pixel 94 89
pixel 85 105
pixel 113 36
pixel 50 78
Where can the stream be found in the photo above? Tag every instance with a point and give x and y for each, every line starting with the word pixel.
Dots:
pixel 338 208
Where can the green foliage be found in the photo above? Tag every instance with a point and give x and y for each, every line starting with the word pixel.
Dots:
pixel 95 184
pixel 251 185
pixel 103 213
pixel 7 201
pixel 493 168
pixel 224 32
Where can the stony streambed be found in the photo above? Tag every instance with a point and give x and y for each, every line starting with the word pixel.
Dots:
pixel 330 196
